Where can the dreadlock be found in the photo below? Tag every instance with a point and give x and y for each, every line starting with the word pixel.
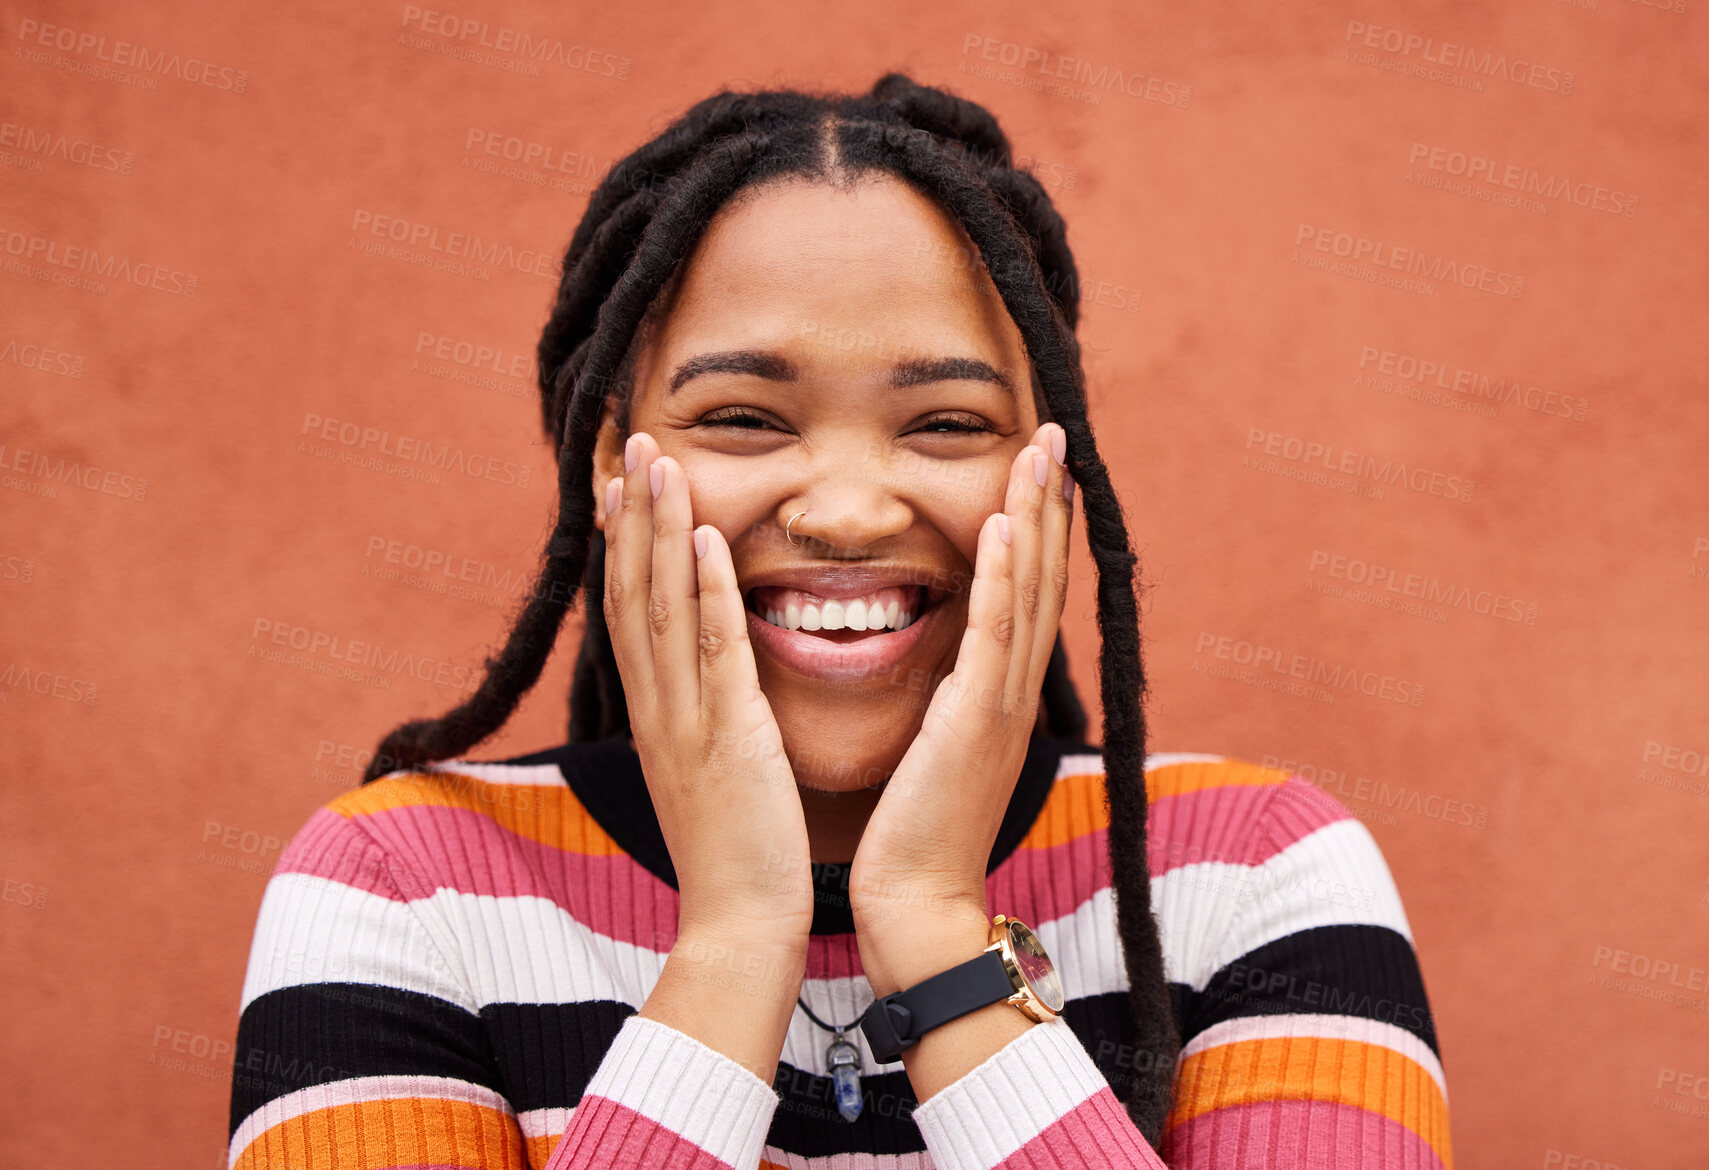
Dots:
pixel 646 216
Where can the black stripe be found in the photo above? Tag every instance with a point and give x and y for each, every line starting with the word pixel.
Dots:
pixel 547 1052
pixel 807 1122
pixel 316 1033
pixel 1353 970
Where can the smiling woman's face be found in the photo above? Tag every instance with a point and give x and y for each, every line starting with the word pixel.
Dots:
pixel 842 354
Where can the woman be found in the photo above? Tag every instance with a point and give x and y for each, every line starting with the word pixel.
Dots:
pixel 813 371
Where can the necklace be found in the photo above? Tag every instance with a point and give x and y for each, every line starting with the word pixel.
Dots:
pixel 843 1059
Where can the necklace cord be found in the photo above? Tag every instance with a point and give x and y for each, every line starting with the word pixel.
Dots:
pixel 832 1028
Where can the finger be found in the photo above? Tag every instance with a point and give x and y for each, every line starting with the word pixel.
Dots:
pixel 982 663
pixel 1025 507
pixel 1058 515
pixel 673 610
pixel 628 574
pixel 729 678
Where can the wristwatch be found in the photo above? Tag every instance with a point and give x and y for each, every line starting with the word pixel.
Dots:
pixel 1013 968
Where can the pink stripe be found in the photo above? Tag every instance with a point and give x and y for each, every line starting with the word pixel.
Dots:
pixel 1299 1133
pixel 1098 1123
pixel 613 895
pixel 604 1133
pixel 610 894
pixel 1300 809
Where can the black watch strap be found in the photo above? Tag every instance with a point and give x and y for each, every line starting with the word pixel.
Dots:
pixel 898 1020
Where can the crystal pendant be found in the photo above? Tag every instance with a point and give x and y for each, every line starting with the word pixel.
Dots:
pixel 844 1061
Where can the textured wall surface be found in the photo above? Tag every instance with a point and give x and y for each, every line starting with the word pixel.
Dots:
pixel 1394 318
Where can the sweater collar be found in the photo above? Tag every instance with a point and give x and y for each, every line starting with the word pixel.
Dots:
pixel 606 778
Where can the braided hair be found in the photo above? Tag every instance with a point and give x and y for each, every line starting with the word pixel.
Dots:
pixel 647 214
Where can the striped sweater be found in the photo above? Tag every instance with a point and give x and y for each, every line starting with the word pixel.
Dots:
pixel 448 964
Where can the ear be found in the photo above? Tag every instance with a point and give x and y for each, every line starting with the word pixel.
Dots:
pixel 607 462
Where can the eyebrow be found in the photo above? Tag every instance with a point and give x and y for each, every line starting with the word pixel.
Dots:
pixel 773 367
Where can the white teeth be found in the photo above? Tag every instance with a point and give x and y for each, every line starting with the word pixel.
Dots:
pixel 854 614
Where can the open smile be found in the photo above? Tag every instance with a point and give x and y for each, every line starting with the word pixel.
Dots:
pixel 841 639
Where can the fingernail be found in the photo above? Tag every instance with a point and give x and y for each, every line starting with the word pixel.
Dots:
pixel 1059 446
pixel 1041 469
pixel 631 453
pixel 1003 526
pixel 1068 487
pixel 613 495
pixel 656 478
pixel 699 543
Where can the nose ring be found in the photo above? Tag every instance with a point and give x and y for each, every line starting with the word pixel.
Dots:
pixel 792 520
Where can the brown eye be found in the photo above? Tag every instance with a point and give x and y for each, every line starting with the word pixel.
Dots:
pixel 952 424
pixel 745 420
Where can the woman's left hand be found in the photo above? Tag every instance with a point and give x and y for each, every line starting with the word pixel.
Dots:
pixel 917 883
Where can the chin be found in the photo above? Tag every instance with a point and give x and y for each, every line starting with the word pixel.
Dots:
pixel 848 747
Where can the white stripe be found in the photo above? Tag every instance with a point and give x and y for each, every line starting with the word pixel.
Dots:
pixel 1171 759
pixel 352 1091
pixel 1333 876
pixel 679 1083
pixel 534 775
pixel 548 1122
pixel 1007 1101
pixel 316 930
pixel 1334 1027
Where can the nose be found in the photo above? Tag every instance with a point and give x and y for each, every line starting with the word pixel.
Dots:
pixel 850 501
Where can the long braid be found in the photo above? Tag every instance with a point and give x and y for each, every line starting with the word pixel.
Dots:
pixel 517 667
pixel 646 215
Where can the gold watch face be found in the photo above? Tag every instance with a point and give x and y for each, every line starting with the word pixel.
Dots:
pixel 1035 966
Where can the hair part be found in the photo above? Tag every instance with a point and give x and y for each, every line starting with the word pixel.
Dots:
pixel 619 276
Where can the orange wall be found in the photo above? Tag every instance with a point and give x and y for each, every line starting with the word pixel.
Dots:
pixel 151 783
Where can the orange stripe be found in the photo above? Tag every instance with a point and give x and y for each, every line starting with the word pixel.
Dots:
pixel 1076 807
pixel 1314 1068
pixel 549 814
pixel 540 1148
pixel 369 1134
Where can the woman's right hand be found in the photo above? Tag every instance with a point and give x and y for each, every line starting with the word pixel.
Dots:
pixel 708 742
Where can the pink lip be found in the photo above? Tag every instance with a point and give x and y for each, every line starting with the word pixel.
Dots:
pixel 830 661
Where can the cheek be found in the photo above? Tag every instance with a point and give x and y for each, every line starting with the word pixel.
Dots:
pixel 729 503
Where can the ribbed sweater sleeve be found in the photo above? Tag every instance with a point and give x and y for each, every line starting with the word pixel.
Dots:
pixel 360 1044
pixel 662 1098
pixel 1312 1043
